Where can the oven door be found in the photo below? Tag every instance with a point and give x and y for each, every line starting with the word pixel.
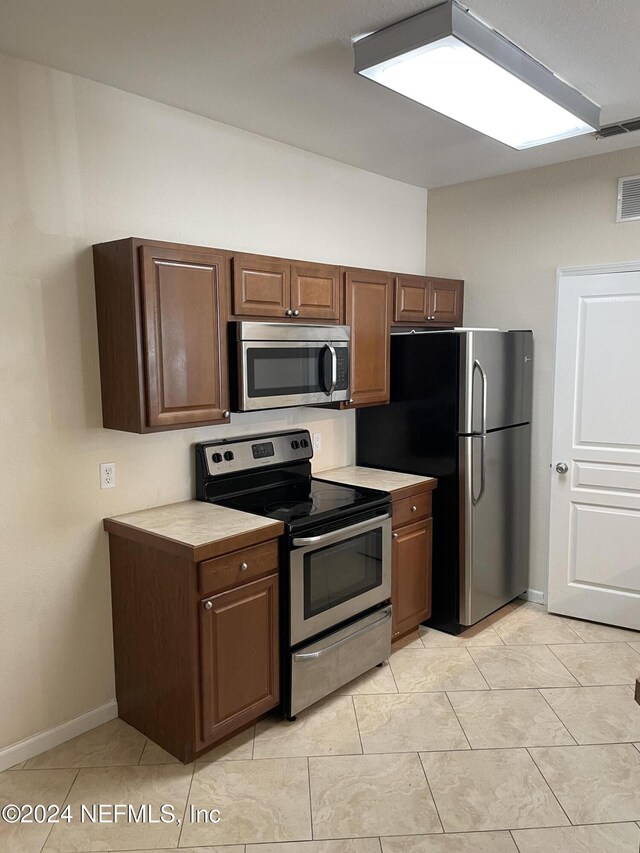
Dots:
pixel 274 374
pixel 337 575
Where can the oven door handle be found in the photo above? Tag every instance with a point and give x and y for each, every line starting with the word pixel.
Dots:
pixel 342 533
pixel 332 646
pixel 330 350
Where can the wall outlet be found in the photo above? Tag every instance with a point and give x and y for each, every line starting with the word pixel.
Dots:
pixel 317 442
pixel 108 475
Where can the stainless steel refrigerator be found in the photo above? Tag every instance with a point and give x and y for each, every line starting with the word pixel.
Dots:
pixel 460 411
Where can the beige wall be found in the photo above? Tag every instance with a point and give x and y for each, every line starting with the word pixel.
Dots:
pixel 506 237
pixel 81 163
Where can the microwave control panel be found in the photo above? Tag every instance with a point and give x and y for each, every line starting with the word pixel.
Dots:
pixel 342 369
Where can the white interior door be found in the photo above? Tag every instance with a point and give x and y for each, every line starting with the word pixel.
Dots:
pixel 594 550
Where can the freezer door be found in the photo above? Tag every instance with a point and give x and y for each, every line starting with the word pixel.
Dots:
pixel 496 371
pixel 494 520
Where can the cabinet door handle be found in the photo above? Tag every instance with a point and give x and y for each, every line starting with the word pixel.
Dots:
pixel 208 605
pixel 395 535
pixel 289 312
pixel 244 567
pixel 414 508
pixel 296 313
pixel 225 414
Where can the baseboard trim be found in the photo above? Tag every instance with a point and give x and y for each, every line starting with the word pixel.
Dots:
pixel 535 595
pixel 18 752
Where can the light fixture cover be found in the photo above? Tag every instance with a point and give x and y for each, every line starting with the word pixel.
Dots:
pixel 452 63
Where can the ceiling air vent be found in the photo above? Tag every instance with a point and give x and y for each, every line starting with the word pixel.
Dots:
pixel 628 198
pixel 627 126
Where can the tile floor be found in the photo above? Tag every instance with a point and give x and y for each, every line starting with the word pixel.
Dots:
pixel 521 736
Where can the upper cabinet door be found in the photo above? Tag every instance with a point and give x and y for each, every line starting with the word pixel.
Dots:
pixel 184 336
pixel 368 306
pixel 261 287
pixel 315 291
pixel 411 303
pixel 446 301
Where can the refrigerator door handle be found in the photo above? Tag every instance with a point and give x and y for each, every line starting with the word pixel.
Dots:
pixel 476 500
pixel 483 377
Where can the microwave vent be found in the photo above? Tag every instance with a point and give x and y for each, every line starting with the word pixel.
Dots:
pixel 628 199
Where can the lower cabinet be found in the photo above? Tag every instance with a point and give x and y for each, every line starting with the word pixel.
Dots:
pixel 411 578
pixel 239 662
pixel 411 562
pixel 195 639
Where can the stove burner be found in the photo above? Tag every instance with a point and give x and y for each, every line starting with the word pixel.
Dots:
pixel 334 496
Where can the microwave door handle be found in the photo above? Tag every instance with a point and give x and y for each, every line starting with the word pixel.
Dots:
pixel 334 368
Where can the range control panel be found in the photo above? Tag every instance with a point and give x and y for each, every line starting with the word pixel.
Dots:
pixel 232 455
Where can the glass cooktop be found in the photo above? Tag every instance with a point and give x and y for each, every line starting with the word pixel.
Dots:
pixel 306 501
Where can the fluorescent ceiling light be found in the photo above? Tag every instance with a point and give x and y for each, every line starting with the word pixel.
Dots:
pixel 452 63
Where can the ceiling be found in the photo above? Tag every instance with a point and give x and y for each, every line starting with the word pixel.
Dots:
pixel 284 69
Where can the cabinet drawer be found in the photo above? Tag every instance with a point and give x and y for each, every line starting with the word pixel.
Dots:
pixel 238 567
pixel 411 509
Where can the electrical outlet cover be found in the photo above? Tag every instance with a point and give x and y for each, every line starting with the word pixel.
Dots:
pixel 107 475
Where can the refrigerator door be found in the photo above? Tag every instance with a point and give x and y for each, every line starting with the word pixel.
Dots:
pixel 494 520
pixel 496 370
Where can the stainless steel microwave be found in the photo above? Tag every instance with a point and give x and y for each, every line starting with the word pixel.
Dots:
pixel 282 364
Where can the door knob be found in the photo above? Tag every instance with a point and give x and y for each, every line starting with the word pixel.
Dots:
pixel 289 312
pixel 208 605
pixel 296 313
pixel 562 467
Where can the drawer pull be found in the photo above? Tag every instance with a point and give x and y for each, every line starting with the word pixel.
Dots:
pixel 208 605
pixel 414 508
pixel 386 616
pixel 244 567
pixel 395 535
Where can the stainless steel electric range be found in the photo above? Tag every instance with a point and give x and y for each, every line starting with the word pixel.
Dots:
pixel 335 580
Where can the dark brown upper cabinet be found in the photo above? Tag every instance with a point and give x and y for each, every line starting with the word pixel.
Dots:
pixel 162 335
pixel 446 301
pixel 315 291
pixel 425 300
pixel 368 309
pixel 275 288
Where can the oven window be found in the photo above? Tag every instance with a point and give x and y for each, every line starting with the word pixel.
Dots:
pixel 342 571
pixel 273 372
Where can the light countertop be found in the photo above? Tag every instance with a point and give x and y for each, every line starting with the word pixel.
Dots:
pixel 373 478
pixel 194 529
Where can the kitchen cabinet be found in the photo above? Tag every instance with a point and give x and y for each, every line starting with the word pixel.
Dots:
pixel 163 310
pixel 239 660
pixel 424 300
pixel 411 560
pixel 368 310
pixel 195 640
pixel 162 335
pixel 275 288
